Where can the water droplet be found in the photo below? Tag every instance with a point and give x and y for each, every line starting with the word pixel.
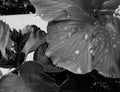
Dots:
pixel 96 40
pixel 91 51
pixel 86 37
pixel 114 45
pixel 65 28
pixel 68 16
pixel 106 50
pixel 113 38
pixel 41 15
pixel 69 5
pixel 77 52
pixel 95 23
pixel 69 34
pixel 100 60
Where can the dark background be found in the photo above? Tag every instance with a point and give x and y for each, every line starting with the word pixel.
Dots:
pixel 12 7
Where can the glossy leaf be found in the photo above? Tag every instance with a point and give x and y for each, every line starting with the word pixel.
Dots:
pixel 79 32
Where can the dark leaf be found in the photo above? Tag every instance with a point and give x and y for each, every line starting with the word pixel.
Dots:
pixel 77 83
pixel 13 83
pixel 33 74
pixel 36 38
pixel 90 82
pixel 19 38
pixel 40 57
pixel 14 60
pixel 31 79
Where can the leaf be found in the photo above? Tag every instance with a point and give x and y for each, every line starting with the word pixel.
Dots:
pixel 19 38
pixel 13 83
pixel 5 41
pixel 33 74
pixel 40 57
pixel 29 80
pixel 78 34
pixel 106 49
pixel 36 38
pixel 50 10
pixel 111 4
pixel 14 59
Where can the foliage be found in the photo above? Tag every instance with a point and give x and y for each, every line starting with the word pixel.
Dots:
pixel 73 25
pixel 8 7
pixel 82 36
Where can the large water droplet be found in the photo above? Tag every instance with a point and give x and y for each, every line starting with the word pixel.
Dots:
pixel 77 52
